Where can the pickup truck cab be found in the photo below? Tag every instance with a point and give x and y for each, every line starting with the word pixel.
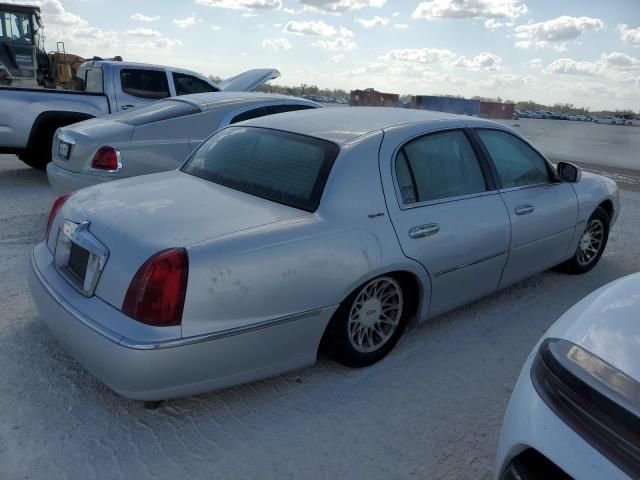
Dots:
pixel 30 117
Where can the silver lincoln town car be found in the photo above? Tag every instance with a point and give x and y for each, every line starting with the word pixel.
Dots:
pixel 317 229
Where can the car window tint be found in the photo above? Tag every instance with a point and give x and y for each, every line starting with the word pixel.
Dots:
pixel 279 166
pixel 436 166
pixel 517 163
pixel 155 112
pixel 144 83
pixel 188 84
pixel 93 83
pixel 268 110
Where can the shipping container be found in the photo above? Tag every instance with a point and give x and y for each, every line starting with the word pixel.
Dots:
pixel 497 110
pixel 372 98
pixel 461 106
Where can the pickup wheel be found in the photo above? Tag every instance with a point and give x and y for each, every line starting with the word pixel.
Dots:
pixel 38 153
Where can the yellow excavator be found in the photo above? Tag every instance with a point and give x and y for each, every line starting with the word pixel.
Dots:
pixel 24 62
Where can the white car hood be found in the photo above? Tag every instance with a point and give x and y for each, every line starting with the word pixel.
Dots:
pixel 607 324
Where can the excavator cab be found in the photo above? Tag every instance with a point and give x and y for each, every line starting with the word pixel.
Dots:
pixel 23 59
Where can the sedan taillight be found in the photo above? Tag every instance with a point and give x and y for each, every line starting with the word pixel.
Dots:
pixel 106 158
pixel 57 205
pixel 157 292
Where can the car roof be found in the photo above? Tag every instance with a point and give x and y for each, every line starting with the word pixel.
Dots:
pixel 211 100
pixel 342 124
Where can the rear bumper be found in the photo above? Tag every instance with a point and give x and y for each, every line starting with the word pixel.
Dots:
pixel 161 369
pixel 63 181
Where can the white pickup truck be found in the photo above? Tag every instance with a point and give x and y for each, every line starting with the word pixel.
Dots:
pixel 30 117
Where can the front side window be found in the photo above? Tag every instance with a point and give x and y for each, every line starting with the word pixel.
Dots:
pixel 517 163
pixel 436 166
pixel 279 166
pixel 150 84
pixel 188 84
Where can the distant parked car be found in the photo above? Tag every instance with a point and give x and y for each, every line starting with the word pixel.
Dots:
pixel 575 411
pixel 153 138
pixel 610 120
pixel 326 227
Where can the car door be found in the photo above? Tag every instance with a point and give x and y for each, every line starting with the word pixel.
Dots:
pixel 543 210
pixel 140 86
pixel 446 212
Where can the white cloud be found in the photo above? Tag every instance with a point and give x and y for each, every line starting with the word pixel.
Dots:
pixel 143 18
pixel 310 28
pixel 160 44
pixel 339 6
pixel 186 22
pixel 569 66
pixel 276 43
pixel 619 60
pixel 470 9
pixel 143 32
pixel 483 61
pixel 341 57
pixel 506 80
pixel 418 55
pixel 628 35
pixel 243 4
pixel 338 44
pixel 395 14
pixel 492 24
pixel 401 25
pixel 216 27
pixel 535 63
pixel 373 22
pixel 556 32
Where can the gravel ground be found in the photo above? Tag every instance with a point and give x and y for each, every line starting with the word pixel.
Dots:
pixel 432 409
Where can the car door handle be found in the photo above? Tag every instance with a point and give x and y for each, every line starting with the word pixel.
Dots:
pixel 524 209
pixel 424 230
pixel 126 107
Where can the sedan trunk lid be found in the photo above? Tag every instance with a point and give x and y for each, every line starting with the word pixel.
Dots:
pixel 136 218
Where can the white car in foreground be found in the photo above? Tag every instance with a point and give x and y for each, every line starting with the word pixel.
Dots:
pixel 575 411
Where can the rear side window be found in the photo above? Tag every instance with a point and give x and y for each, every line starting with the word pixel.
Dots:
pixel 93 82
pixel 436 166
pixel 517 163
pixel 144 83
pixel 155 112
pixel 188 84
pixel 279 166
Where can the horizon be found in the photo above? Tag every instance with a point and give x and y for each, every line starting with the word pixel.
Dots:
pixel 522 50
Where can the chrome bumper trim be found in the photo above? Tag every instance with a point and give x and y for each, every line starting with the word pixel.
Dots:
pixel 161 344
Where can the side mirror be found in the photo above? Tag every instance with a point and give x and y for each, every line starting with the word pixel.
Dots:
pixel 568 172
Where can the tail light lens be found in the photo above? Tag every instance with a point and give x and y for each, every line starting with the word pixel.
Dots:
pixel 106 158
pixel 156 293
pixel 57 204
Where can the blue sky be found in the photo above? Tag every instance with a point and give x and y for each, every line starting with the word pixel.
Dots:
pixel 579 51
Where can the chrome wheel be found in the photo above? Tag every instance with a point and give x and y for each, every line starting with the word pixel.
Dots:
pixel 591 242
pixel 375 314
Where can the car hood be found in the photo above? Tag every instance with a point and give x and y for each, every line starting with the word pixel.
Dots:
pixel 138 217
pixel 606 323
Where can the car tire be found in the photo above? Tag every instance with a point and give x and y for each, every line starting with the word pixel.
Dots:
pixel 34 160
pixel 591 244
pixel 369 322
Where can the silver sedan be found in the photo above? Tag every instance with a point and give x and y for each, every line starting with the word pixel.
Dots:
pixel 152 138
pixel 327 228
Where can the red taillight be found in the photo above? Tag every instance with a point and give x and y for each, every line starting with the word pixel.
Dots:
pixel 156 293
pixel 57 204
pixel 106 158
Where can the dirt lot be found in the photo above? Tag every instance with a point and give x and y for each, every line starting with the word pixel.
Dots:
pixel 432 409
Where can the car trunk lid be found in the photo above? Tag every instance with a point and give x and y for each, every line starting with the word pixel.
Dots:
pixel 136 218
pixel 249 80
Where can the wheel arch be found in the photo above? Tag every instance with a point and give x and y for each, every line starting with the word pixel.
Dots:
pixel 57 119
pixel 607 206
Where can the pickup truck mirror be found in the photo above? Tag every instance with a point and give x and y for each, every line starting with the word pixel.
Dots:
pixel 568 172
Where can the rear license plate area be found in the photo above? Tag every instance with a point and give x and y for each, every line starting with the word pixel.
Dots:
pixel 64 149
pixel 78 261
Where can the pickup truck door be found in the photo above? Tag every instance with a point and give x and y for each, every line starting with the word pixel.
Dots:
pixel 249 80
pixel 543 210
pixel 136 86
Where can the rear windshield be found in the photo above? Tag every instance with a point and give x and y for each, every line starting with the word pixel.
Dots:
pixel 279 166
pixel 155 112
